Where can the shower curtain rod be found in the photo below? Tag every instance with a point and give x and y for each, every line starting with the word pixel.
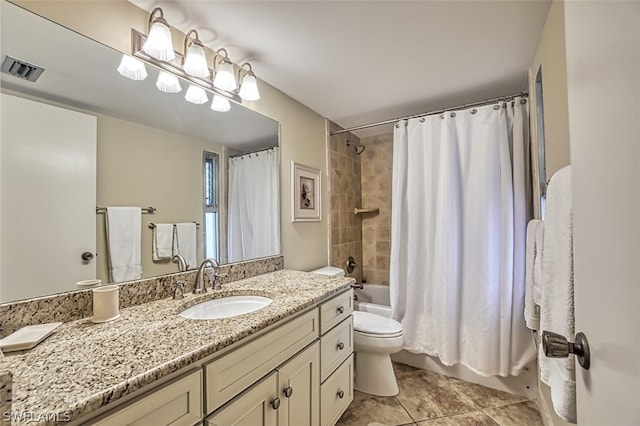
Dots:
pixel 252 152
pixel 439 111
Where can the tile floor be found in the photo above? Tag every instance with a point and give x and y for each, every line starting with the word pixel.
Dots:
pixel 430 399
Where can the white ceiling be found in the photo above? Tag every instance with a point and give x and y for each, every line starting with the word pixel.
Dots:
pixel 357 62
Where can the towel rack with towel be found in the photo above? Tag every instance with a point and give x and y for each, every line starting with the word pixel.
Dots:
pixel 152 225
pixel 148 210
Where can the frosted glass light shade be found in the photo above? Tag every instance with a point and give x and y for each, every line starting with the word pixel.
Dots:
pixel 132 68
pixel 195 62
pixel 249 88
pixel 159 44
pixel 168 83
pixel 196 95
pixel 220 104
pixel 225 79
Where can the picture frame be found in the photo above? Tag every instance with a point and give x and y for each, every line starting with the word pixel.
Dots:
pixel 305 193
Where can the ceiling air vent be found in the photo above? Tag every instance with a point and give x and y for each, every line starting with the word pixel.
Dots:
pixel 21 69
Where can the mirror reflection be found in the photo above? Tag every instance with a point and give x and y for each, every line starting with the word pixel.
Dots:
pixel 82 136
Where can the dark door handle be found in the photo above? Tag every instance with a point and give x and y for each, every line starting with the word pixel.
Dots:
pixel 87 256
pixel 341 309
pixel 288 391
pixel 556 346
pixel 340 394
pixel 341 346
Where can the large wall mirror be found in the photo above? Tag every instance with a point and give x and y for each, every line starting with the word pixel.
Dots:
pixel 82 136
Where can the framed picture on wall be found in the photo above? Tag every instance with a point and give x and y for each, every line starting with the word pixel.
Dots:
pixel 305 193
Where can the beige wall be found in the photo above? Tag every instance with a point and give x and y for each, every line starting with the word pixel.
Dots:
pixel 346 227
pixel 550 55
pixel 142 166
pixel 302 131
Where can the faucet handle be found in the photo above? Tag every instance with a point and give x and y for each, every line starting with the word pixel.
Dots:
pixel 178 291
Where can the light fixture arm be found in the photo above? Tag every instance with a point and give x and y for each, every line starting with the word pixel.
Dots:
pixel 222 52
pixel 247 71
pixel 159 18
pixel 196 40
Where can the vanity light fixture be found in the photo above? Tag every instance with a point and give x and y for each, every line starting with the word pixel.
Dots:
pixel 195 62
pixel 168 83
pixel 159 44
pixel 132 68
pixel 220 104
pixel 225 78
pixel 249 86
pixel 196 95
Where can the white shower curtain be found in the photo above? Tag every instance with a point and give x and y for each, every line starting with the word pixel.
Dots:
pixel 459 212
pixel 254 205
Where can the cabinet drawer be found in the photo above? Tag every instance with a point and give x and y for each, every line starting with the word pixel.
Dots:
pixel 336 393
pixel 228 376
pixel 335 310
pixel 177 404
pixel 335 347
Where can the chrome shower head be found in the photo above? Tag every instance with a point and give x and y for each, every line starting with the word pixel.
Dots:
pixel 359 148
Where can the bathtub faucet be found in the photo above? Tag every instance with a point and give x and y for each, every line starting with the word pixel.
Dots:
pixel 359 286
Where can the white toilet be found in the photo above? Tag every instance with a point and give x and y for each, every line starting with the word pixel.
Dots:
pixel 375 338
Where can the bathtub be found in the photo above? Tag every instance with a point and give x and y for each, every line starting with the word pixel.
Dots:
pixel 373 298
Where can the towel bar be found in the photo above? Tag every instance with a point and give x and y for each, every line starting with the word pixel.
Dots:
pixel 148 210
pixel 152 225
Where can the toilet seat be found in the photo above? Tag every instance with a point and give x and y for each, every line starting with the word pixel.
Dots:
pixel 373 325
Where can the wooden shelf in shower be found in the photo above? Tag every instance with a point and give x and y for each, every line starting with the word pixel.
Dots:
pixel 364 211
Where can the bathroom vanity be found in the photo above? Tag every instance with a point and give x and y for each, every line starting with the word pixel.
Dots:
pixel 289 363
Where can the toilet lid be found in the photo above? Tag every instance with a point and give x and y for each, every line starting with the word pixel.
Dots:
pixel 367 322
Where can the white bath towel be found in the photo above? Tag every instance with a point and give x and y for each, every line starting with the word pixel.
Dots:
pixel 537 266
pixel 185 243
pixel 556 293
pixel 123 225
pixel 531 309
pixel 162 245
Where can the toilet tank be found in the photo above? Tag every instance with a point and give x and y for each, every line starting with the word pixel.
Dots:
pixel 331 271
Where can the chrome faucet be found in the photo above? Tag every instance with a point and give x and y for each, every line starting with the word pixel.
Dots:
pixel 200 286
pixel 182 263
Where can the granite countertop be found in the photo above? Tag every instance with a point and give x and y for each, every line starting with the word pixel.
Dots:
pixel 83 366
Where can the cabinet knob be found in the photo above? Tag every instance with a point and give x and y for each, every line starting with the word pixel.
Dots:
pixel 288 391
pixel 341 309
pixel 340 394
pixel 341 346
pixel 275 403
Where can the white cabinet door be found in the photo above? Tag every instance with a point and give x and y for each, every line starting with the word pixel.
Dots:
pixel 603 76
pixel 174 404
pixel 48 198
pixel 254 407
pixel 299 385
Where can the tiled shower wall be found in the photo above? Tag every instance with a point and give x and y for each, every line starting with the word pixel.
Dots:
pixel 375 165
pixel 345 189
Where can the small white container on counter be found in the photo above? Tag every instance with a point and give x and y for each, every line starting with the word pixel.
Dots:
pixel 80 285
pixel 106 303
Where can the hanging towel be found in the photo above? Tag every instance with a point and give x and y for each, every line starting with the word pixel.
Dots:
pixel 531 313
pixel 123 240
pixel 537 266
pixel 162 246
pixel 184 243
pixel 556 293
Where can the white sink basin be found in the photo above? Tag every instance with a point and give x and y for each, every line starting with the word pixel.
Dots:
pixel 225 307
